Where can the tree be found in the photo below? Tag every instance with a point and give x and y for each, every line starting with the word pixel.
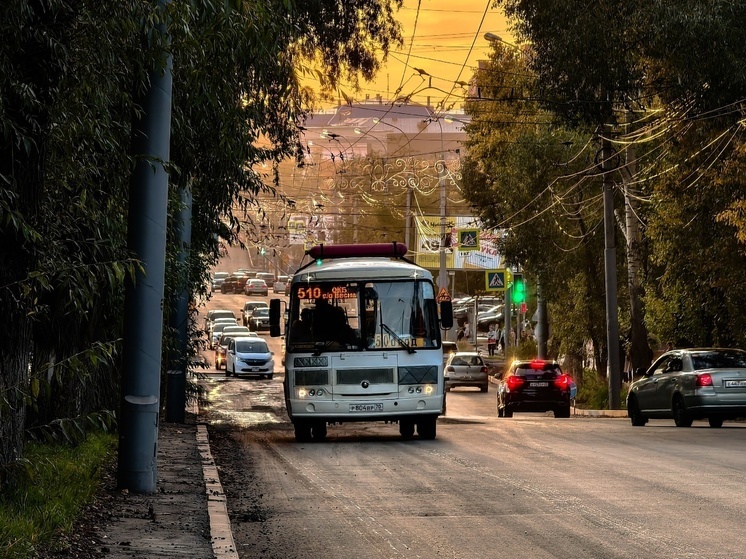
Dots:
pixel 523 174
pixel 70 72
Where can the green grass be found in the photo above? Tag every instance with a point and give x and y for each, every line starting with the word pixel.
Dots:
pixel 44 502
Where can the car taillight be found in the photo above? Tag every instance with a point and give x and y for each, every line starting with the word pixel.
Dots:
pixel 514 382
pixel 705 379
pixel 450 370
pixel 483 370
pixel 562 381
pixel 537 364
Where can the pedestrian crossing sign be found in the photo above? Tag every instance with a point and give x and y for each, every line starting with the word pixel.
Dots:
pixel 496 280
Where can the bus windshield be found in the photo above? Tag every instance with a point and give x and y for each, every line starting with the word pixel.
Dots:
pixel 363 316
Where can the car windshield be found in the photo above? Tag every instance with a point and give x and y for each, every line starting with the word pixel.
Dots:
pixel 261 311
pixel 719 360
pixel 251 346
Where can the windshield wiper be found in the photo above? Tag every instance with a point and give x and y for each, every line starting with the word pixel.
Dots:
pixel 402 343
pixel 319 347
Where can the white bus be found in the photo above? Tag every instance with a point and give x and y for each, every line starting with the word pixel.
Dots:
pixel 362 339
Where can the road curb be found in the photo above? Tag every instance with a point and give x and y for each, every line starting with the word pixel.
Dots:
pixel 221 535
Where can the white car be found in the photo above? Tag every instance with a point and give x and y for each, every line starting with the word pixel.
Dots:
pixel 249 356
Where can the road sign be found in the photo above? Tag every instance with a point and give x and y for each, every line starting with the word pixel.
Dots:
pixel 496 280
pixel 443 295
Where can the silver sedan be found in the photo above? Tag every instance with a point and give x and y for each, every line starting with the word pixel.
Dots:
pixel 689 384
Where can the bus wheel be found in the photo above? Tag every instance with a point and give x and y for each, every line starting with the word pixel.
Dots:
pixel 318 431
pixel 302 431
pixel 426 428
pixel 406 428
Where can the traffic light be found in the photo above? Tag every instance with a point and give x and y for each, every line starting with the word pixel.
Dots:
pixel 519 288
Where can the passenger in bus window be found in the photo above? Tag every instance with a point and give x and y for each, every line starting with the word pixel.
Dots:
pixel 330 322
pixel 300 330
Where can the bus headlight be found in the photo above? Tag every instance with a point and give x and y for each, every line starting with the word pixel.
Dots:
pixel 302 393
pixel 429 389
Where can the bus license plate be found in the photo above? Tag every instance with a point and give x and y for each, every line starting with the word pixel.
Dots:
pixel 366 407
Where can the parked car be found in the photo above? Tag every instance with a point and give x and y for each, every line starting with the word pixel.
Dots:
pixel 249 356
pixel 466 368
pixel 534 386
pixel 248 310
pixel 259 319
pixel 689 384
pixel 279 285
pixel 256 287
pixel 217 280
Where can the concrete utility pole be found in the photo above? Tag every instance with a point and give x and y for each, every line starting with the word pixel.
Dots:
pixel 143 313
pixel 612 312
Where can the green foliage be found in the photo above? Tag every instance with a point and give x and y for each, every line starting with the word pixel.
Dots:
pixel 46 493
pixel 593 392
pixel 71 77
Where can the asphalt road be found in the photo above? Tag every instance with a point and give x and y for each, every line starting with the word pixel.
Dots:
pixel 527 487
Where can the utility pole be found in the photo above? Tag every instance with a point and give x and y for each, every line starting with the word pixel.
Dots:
pixel 612 313
pixel 143 309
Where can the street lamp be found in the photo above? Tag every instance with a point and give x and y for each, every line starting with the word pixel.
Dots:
pixel 408 219
pixel 492 38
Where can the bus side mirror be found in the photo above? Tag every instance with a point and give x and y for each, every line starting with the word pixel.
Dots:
pixel 274 318
pixel 446 315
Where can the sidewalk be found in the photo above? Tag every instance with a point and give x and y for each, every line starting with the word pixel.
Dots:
pixel 186 517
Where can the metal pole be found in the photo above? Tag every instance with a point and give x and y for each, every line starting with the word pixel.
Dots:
pixel 408 217
pixel 443 272
pixel 612 317
pixel 176 381
pixel 143 314
pixel 542 325
pixel 506 314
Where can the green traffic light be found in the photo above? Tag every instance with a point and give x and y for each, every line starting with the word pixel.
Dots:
pixel 263 251
pixel 319 261
pixel 519 290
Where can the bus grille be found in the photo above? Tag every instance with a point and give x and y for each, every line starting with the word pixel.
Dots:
pixel 312 377
pixel 373 376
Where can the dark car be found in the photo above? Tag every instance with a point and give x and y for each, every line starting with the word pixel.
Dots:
pixel 534 386
pixel 248 310
pixel 689 384
pixel 233 283
pixel 259 319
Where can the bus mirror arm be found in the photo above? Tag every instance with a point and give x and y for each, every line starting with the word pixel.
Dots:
pixel 446 315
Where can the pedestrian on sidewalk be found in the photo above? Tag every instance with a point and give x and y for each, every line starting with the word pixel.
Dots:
pixel 491 340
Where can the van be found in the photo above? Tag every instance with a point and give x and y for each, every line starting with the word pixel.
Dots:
pixel 268 277
pixel 279 285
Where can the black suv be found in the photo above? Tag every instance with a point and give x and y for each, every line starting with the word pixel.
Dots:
pixel 534 386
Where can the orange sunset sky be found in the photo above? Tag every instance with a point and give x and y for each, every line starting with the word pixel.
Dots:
pixel 445 38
